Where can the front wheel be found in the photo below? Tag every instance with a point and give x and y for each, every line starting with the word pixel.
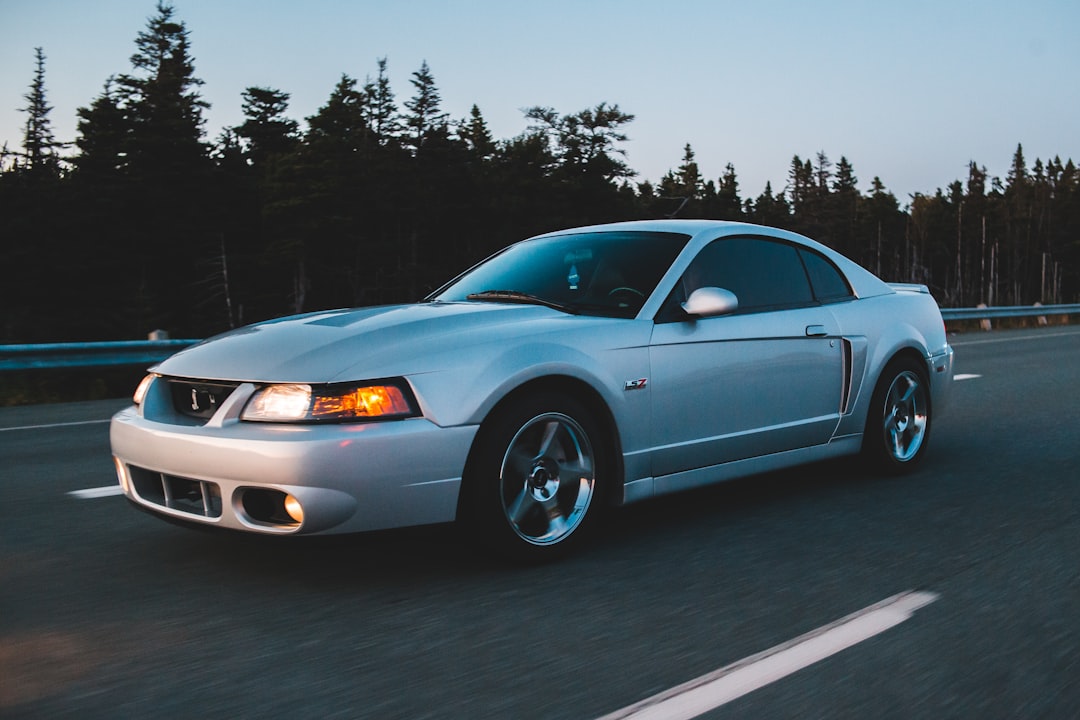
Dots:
pixel 533 480
pixel 898 423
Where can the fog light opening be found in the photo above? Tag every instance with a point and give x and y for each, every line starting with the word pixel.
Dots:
pixel 271 507
pixel 294 509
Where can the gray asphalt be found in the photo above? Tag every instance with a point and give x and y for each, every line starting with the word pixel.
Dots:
pixel 109 613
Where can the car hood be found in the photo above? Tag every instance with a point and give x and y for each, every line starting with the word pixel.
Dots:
pixel 364 343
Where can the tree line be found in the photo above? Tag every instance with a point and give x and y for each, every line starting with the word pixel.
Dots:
pixel 146 223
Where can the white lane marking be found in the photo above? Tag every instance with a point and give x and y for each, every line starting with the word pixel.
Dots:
pixel 963 376
pixel 99 492
pixel 719 687
pixel 54 425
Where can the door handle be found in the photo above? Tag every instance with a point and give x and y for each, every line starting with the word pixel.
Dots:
pixel 816 331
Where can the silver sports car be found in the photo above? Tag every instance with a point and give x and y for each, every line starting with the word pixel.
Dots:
pixel 572 371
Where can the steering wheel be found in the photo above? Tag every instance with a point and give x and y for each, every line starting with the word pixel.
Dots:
pixel 625 296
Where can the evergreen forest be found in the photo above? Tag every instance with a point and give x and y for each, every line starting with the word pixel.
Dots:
pixel 143 222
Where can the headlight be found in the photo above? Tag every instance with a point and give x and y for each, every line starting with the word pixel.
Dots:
pixel 382 400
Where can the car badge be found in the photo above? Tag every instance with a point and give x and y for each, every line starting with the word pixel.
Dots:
pixel 202 400
pixel 636 384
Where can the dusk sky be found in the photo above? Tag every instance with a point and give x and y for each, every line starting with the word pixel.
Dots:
pixel 908 91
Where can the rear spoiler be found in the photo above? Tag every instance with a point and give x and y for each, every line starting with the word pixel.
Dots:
pixel 910 287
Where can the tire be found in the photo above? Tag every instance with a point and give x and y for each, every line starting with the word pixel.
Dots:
pixel 532 484
pixel 899 419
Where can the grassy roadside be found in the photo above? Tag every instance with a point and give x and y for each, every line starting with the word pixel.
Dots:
pixel 35 387
pixel 1018 323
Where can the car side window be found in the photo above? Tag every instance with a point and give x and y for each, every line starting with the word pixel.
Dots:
pixel 763 274
pixel 828 284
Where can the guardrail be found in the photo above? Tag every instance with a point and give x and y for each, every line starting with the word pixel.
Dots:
pixel 1009 311
pixel 147 352
pixel 90 354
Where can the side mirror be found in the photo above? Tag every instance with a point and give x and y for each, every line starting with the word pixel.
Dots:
pixel 710 302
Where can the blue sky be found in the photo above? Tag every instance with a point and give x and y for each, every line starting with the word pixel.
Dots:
pixel 909 91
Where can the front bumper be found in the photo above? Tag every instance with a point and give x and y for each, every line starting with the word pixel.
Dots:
pixel 233 474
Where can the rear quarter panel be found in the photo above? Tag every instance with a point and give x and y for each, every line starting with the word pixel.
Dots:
pixel 891 324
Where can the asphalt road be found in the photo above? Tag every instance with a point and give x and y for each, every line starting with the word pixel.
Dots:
pixel 109 613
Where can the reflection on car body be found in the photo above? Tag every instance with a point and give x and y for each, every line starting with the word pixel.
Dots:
pixel 572 371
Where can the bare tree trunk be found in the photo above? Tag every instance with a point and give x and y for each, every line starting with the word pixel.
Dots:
pixel 982 260
pixel 300 286
pixel 225 279
pixel 959 257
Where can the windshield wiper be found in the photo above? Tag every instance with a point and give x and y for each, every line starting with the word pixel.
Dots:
pixel 516 296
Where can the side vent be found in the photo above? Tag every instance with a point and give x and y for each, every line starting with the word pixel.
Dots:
pixel 845 390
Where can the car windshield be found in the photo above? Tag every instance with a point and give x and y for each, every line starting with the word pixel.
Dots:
pixel 601 273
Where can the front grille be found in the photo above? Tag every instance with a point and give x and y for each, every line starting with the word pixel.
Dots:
pixel 199 399
pixel 194 497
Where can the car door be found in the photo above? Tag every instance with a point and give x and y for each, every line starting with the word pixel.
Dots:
pixel 764 379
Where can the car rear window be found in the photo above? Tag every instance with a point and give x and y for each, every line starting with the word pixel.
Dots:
pixel 827 282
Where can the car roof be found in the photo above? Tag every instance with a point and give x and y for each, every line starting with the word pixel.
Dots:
pixel 685 226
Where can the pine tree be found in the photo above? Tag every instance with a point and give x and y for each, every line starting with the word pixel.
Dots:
pixel 8 159
pixel 382 111
pixel 39 143
pixel 103 130
pixel 687 178
pixel 106 201
pixel 602 128
pixel 162 99
pixel 823 171
pixel 156 204
pixel 342 121
pixel 1021 248
pixel 265 128
pixel 528 198
pixel 844 181
pixel 425 117
pixel 883 224
pixel 771 209
pixel 843 207
pixel 324 208
pixel 474 132
pixel 728 204
pixel 584 144
pixel 681 191
pixel 800 181
pixel 1018 174
pixel 36 293
pixel 813 210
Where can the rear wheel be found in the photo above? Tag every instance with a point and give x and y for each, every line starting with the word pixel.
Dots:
pixel 898 424
pixel 533 481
